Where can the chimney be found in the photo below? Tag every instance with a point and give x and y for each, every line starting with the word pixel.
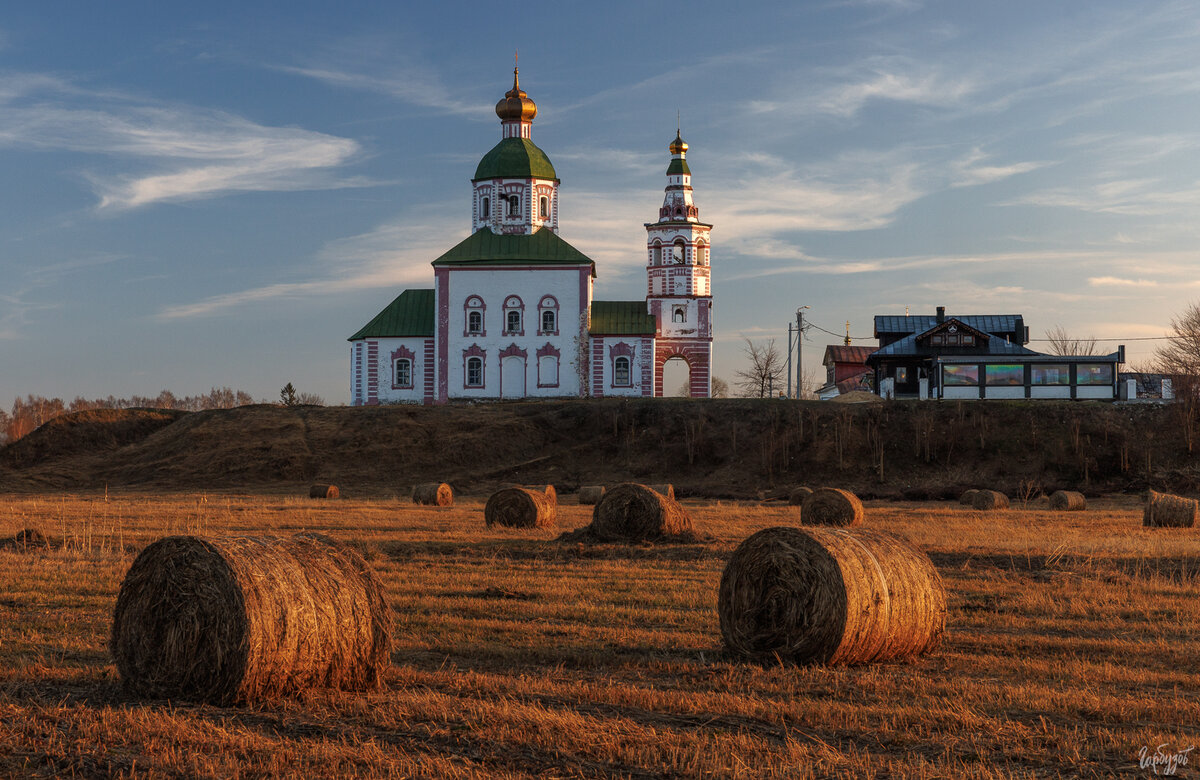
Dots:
pixel 941 315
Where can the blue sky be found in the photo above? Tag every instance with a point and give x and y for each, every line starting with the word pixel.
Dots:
pixel 219 194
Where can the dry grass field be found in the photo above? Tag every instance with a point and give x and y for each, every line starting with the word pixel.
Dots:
pixel 1071 644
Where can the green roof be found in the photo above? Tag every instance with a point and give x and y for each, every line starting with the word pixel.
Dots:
pixel 515 158
pixel 544 247
pixel 411 314
pixel 678 167
pixel 622 318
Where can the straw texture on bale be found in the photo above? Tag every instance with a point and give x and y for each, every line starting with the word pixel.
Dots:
pixel 968 497
pixel 797 496
pixel 591 494
pixel 666 490
pixel 1166 510
pixel 830 595
pixel 238 619
pixel 989 499
pixel 1067 501
pixel 433 494
pixel 632 513
pixel 323 491
pixel 518 507
pixel 831 506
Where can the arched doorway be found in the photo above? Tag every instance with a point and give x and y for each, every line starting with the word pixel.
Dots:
pixel 512 377
pixel 676 378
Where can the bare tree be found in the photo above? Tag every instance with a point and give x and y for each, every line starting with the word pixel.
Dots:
pixel 1062 343
pixel 1179 359
pixel 720 388
pixel 765 372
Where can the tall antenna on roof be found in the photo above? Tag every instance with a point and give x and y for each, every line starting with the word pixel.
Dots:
pixel 847 333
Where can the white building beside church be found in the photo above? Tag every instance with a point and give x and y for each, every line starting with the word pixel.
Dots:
pixel 511 313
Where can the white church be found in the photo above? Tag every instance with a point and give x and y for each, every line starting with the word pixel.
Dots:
pixel 511 313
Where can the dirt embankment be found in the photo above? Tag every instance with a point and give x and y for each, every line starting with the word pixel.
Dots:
pixel 720 448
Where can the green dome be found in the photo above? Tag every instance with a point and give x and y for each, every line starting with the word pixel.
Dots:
pixel 515 158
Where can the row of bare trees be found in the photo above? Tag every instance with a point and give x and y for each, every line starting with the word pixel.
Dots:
pixel 33 410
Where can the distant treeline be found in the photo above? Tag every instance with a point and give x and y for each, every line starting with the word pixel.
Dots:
pixel 30 412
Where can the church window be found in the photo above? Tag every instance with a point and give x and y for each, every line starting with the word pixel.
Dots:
pixel 514 206
pixel 545 207
pixel 548 371
pixel 679 251
pixel 701 254
pixel 474 372
pixel 680 314
pixel 403 373
pixel 621 372
pixel 513 315
pixel 657 253
pixel 486 208
pixel 548 316
pixel 474 322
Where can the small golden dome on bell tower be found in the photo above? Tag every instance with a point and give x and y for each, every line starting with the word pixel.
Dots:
pixel 516 105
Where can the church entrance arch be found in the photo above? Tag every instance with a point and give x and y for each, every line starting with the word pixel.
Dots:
pixel 676 378
pixel 512 377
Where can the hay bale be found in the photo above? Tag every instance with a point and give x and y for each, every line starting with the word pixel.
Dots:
pixel 634 513
pixel 433 494
pixel 25 540
pixel 1067 501
pixel 797 496
pixel 968 497
pixel 324 491
pixel 831 506
pixel 665 490
pixel 591 494
pixel 518 507
pixel 1165 510
pixel 237 619
pixel 987 500
pixel 549 490
pixel 829 595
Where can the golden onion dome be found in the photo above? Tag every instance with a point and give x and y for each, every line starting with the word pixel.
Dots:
pixel 678 146
pixel 516 105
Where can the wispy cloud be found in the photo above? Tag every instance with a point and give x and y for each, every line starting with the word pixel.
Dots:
pixel 416 87
pixel 184 153
pixel 393 254
pixel 1115 281
pixel 969 172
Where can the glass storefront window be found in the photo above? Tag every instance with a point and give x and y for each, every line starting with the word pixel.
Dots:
pixel 1005 375
pixel 960 375
pixel 1051 374
pixel 1094 374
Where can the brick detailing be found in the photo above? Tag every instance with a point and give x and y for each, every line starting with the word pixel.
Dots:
pixel 372 373
pixel 597 368
pixel 696 352
pixel 429 372
pixel 647 347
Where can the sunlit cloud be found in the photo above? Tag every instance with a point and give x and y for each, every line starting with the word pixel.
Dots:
pixel 1113 281
pixel 192 153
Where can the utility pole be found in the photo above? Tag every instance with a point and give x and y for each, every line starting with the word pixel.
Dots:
pixel 798 330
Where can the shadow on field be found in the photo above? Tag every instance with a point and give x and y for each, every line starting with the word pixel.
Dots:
pixel 523 550
pixel 1180 569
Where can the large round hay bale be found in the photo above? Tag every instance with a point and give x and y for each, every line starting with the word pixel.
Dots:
pixel 968 497
pixel 829 595
pixel 664 489
pixel 632 513
pixel 988 500
pixel 433 494
pixel 1165 510
pixel 518 507
pixel 1067 501
pixel 237 619
pixel 591 494
pixel 797 496
pixel 324 491
pixel 831 506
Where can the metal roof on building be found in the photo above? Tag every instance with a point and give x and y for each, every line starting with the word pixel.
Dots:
pixel 988 323
pixel 411 314
pixel 908 347
pixel 622 318
pixel 515 158
pixel 543 247
pixel 844 353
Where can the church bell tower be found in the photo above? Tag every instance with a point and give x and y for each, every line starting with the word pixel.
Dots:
pixel 679 279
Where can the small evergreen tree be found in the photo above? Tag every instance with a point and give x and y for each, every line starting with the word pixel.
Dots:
pixel 287 396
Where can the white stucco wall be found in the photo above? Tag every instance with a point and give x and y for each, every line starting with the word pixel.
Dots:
pixel 496 285
pixel 641 367
pixel 387 392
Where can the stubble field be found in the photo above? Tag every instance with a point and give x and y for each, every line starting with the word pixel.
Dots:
pixel 1070 646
